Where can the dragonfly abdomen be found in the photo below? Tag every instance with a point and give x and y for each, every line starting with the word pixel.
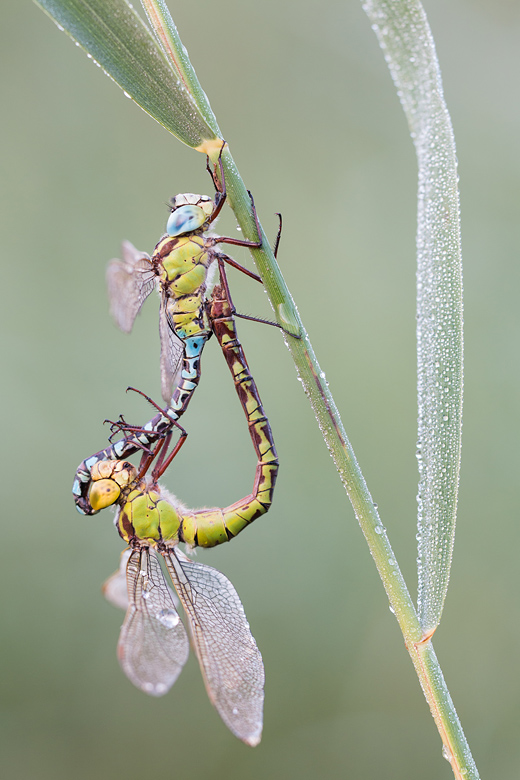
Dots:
pixel 210 527
pixel 186 314
pixel 190 375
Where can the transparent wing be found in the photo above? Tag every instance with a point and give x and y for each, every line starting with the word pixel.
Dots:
pixel 229 658
pixel 130 281
pixel 172 353
pixel 114 589
pixel 153 645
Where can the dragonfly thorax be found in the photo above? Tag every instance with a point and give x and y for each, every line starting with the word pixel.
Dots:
pixel 146 516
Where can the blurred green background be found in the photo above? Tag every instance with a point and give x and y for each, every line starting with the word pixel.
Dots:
pixel 303 96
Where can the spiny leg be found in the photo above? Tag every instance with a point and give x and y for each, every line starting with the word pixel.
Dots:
pixel 121 426
pixel 220 189
pixel 223 258
pixel 164 462
pixel 221 195
pixel 244 241
pixel 278 235
pixel 159 452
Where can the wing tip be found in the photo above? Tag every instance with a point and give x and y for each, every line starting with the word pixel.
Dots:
pixel 253 739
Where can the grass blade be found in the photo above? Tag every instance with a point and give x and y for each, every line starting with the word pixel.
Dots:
pixel 406 40
pixel 117 38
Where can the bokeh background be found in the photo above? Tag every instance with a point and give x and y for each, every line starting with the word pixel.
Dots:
pixel 303 96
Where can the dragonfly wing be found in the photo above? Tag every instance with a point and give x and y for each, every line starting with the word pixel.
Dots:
pixel 130 281
pixel 114 589
pixel 229 658
pixel 153 645
pixel 172 354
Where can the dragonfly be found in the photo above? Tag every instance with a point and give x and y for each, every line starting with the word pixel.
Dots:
pixel 180 268
pixel 153 645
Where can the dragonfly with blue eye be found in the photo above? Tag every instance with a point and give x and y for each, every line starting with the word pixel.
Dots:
pixel 180 268
pixel 153 646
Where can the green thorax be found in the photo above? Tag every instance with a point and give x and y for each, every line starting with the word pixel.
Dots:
pixel 184 263
pixel 146 517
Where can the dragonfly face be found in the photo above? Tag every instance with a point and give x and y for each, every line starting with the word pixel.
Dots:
pixel 110 477
pixel 189 213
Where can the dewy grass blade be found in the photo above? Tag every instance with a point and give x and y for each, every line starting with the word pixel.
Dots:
pixel 116 37
pixel 406 40
pixel 166 33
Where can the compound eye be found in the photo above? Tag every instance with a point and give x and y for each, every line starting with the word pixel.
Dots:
pixel 103 493
pixel 103 469
pixel 185 219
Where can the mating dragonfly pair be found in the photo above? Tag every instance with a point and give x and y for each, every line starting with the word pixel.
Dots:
pixel 153 644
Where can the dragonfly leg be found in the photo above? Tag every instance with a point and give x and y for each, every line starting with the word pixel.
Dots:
pixel 220 188
pixel 159 452
pixel 146 397
pixel 164 412
pixel 229 260
pixel 267 322
pixel 221 195
pixel 244 241
pixel 121 426
pixel 223 258
pixel 164 462
pixel 234 263
pixel 278 235
pixel 149 455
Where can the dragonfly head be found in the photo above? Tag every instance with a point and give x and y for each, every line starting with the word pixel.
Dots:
pixel 109 478
pixel 189 213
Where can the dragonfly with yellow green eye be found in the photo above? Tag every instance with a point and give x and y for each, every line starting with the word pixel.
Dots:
pixel 180 268
pixel 153 645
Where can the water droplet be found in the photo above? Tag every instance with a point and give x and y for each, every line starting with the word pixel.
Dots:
pixel 168 617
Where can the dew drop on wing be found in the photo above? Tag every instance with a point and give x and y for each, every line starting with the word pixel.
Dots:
pixel 168 617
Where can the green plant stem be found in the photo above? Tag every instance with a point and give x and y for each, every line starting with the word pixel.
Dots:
pixel 315 386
